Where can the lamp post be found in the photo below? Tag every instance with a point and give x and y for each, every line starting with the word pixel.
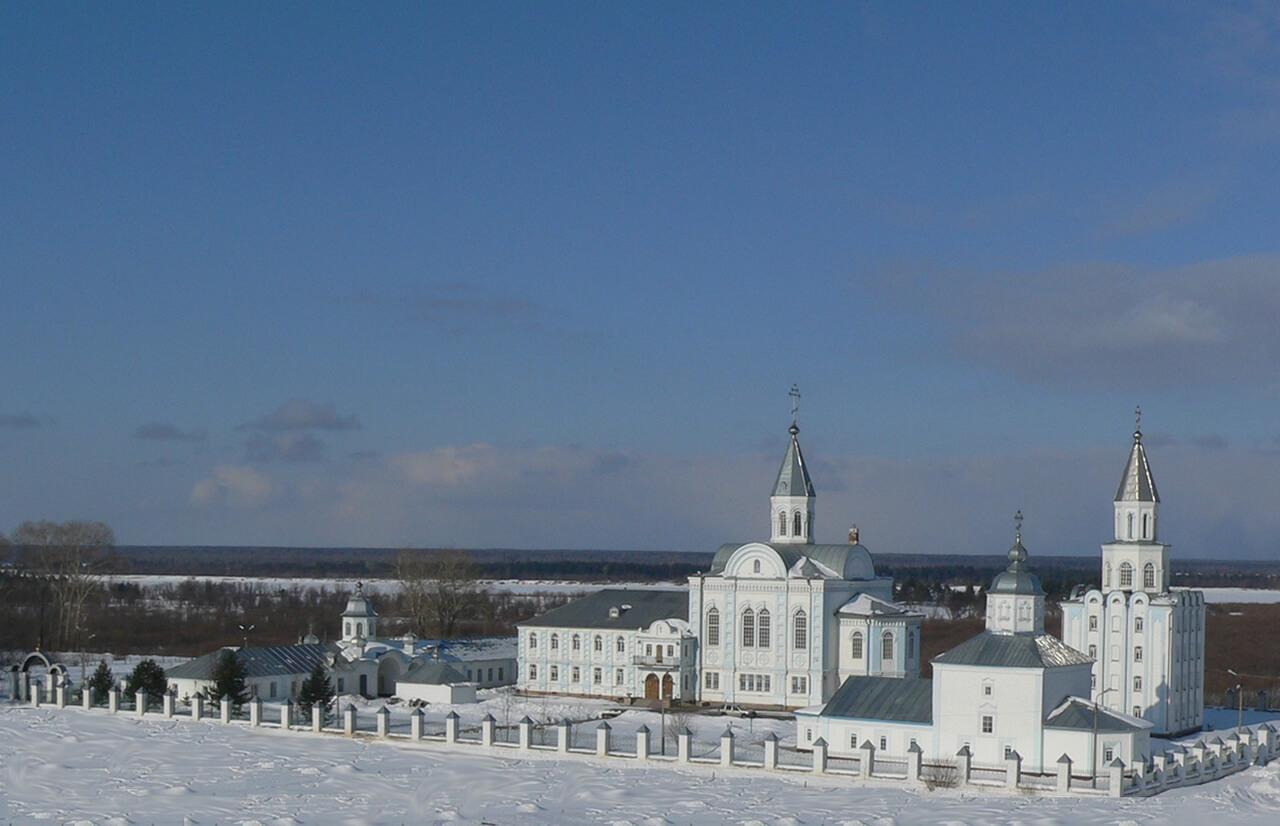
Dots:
pixel 245 630
pixel 1093 751
pixel 1240 700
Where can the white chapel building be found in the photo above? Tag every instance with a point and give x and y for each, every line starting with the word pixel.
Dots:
pixel 1146 639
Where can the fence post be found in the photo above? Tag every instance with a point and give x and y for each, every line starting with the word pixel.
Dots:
pixel 1012 769
pixel 602 738
pixel 726 747
pixel 317 717
pixel 642 743
pixel 526 733
pixel 383 720
pixel 166 705
pixel 1116 771
pixel 286 714
pixel 140 700
pixel 819 756
pixel 349 719
pixel 226 709
pixel 867 760
pixel 35 696
pixel 564 733
pixel 60 695
pixel 964 762
pixel 1064 774
pixel 915 757
pixel 113 699
pixel 684 744
pixel 86 697
pixel 771 751
pixel 486 730
pixel 415 724
pixel 197 708
pixel 24 687
pixel 451 727
pixel 255 712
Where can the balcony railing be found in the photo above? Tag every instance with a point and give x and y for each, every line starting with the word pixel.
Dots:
pixel 654 661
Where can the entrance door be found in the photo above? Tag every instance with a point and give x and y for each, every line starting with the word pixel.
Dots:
pixel 364 685
pixel 668 687
pixel 651 687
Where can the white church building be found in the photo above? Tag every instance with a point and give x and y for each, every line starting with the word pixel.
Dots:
pixel 1146 639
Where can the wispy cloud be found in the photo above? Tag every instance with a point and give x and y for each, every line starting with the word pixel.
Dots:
pixel 163 431
pixel 20 421
pixel 300 414
pixel 233 486
pixel 286 447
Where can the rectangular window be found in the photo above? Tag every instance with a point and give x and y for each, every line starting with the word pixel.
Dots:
pixel 799 685
pixel 853 740
pixel 343 687
pixel 1093 623
pixel 576 674
pixel 1108 754
pixel 533 671
pixel 501 675
pixel 469 676
pixel 884 743
pixel 1137 654
pixel 1137 624
pixel 490 675
pixel 1137 711
pixel 555 673
pixel 712 680
pixel 988 724
pixel 622 645
pixel 617 676
pixel 755 682
pixel 986 690
pixel 1137 683
pixel 273 690
pixel 1093 652
pixel 597 676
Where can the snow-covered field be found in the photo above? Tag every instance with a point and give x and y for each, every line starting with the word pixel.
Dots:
pixel 71 767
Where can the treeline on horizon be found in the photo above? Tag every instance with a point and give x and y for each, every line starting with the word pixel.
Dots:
pixel 1058 573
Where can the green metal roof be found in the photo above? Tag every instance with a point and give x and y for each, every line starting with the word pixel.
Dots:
pixel 1013 651
pixel 1077 713
pixel 852 562
pixel 643 607
pixel 258 662
pixel 882 698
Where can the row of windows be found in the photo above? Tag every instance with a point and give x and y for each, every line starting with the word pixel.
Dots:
pixel 755 682
pixel 575 674
pixel 1115 624
pixel 480 674
pixel 1126 575
pixel 1115 653
pixel 886 646
pixel 575 643
pixel 797 526
pixel 757 629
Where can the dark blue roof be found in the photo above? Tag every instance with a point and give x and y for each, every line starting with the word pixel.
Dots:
pixel 258 662
pixel 882 698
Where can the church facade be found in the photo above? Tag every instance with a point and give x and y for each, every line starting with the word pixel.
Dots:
pixel 1145 638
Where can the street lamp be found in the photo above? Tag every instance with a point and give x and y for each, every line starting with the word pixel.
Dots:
pixel 1240 699
pixel 246 631
pixel 1093 752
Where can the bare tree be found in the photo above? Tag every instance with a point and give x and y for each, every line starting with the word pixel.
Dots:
pixel 71 557
pixel 437 589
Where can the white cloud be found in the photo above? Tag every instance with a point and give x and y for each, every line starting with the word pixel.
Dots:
pixel 234 486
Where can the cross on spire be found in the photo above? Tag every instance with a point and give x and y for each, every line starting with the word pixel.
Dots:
pixel 1017 525
pixel 794 393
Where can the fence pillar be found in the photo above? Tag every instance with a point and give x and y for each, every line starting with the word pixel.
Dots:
pixel 526 732
pixel 23 685
pixel 286 714
pixel 14 693
pixel 60 695
pixel 726 747
pixel 166 705
pixel 602 738
pixel 382 718
pixel 255 712
pixel 35 696
pixel 487 726
pixel 564 734
pixel 226 709
pixel 451 727
pixel 140 700
pixel 771 751
pixel 1115 770
pixel 915 757
pixel 1064 774
pixel 317 717
pixel 113 699
pixel 819 756
pixel 349 719
pixel 1012 770
pixel 964 763
pixel 684 745
pixel 642 743
pixel 415 724
pixel 197 708
pixel 86 697
pixel 866 760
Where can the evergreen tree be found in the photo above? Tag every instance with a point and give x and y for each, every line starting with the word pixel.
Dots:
pixel 101 681
pixel 148 676
pixel 315 690
pixel 228 678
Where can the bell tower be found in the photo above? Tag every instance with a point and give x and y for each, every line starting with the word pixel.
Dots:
pixel 1135 560
pixel 791 505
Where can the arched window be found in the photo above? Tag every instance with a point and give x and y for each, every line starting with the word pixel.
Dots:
pixel 782 524
pixel 713 626
pixel 748 629
pixel 577 643
pixel 911 645
pixel 856 650
pixel 1126 575
pixel 755 566
pixel 533 640
pixel 598 644
pixel 795 525
pixel 762 629
pixel 359 629
pixel 1145 517
pixel 555 642
pixel 1149 575
pixel 622 644
pixel 886 647
pixel 800 631
pixel 1130 526
pixel 1107 579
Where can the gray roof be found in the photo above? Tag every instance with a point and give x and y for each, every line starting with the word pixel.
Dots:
pixel 1013 651
pixel 793 477
pixel 1137 483
pixel 593 610
pixel 258 662
pixel 852 562
pixel 432 672
pixel 1077 714
pixel 1017 578
pixel 882 698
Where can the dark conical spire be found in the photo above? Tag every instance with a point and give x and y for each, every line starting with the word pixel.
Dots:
pixel 793 477
pixel 1137 484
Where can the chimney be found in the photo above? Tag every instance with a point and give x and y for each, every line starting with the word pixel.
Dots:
pixel 853 534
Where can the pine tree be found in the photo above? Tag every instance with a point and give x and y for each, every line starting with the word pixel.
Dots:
pixel 148 676
pixel 228 678
pixel 315 690
pixel 101 681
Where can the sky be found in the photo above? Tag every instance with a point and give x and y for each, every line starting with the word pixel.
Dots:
pixel 540 275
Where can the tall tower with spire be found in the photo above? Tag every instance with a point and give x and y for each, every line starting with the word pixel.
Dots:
pixel 791 504
pixel 1146 638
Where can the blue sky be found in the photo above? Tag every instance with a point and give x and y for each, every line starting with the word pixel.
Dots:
pixel 540 275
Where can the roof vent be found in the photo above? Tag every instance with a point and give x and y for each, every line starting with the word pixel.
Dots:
pixel 853 534
pixel 614 612
pixel 625 607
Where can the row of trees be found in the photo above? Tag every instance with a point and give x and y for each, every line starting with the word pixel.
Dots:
pixel 63 563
